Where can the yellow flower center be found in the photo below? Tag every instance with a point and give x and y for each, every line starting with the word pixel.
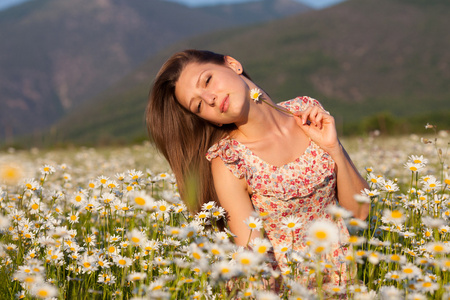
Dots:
pixel 139 200
pixel 321 235
pixel 396 214
pixel 353 222
pixel 262 249
pixel 408 271
pixel 320 249
pixel 395 257
pixel 353 239
pixel 438 248
pixel 42 293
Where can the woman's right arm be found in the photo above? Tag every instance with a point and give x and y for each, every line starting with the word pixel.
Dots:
pixel 233 196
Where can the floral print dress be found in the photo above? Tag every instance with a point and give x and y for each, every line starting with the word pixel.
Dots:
pixel 304 188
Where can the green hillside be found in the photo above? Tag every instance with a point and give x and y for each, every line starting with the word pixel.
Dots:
pixel 381 64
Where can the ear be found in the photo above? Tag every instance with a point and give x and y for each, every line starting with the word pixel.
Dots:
pixel 234 64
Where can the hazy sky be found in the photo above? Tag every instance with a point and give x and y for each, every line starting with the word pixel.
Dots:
pixel 7 3
pixel 313 3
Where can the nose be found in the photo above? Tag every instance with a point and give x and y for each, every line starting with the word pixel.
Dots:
pixel 209 98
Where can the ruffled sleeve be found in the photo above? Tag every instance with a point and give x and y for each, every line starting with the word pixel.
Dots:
pixel 300 103
pixel 228 151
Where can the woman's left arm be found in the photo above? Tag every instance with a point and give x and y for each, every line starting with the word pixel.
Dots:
pixel 319 125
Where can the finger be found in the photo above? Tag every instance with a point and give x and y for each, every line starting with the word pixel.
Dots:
pixel 304 127
pixel 305 115
pixel 318 120
pixel 314 116
pixel 298 119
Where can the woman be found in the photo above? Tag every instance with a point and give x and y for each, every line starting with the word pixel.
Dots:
pixel 226 140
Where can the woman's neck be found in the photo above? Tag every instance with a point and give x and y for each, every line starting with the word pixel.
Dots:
pixel 262 121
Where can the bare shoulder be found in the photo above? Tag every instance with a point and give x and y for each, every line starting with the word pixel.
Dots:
pixel 224 177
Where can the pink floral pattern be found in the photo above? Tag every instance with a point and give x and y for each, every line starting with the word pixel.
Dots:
pixel 304 188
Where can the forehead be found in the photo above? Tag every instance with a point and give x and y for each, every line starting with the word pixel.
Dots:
pixel 190 73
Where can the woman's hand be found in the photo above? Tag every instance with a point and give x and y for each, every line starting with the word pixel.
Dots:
pixel 322 130
pixel 319 126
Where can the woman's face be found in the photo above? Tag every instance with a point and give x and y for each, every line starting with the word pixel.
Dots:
pixel 216 93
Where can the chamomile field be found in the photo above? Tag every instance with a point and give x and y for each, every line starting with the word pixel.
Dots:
pixel 107 223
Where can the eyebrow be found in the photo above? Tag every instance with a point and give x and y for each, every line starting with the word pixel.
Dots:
pixel 196 85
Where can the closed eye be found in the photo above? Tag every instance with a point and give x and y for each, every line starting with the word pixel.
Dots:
pixel 208 80
pixel 199 106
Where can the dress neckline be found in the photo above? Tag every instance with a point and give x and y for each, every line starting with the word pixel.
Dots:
pixel 286 106
pixel 307 149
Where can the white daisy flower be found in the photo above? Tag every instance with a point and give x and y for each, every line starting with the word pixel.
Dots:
pixel 338 212
pixel 255 94
pixel 291 223
pixel 391 293
pixel 410 271
pixel 44 290
pixel 224 269
pixel 253 223
pixel 136 276
pixel 323 232
pixel 437 248
pixel 260 246
pixel 106 278
pixel 394 217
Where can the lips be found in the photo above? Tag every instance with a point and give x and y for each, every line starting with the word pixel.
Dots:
pixel 224 105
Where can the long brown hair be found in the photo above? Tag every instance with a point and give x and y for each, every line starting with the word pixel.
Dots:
pixel 181 136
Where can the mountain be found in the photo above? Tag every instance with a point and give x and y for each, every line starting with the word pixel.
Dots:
pixel 256 11
pixel 57 54
pixel 367 61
